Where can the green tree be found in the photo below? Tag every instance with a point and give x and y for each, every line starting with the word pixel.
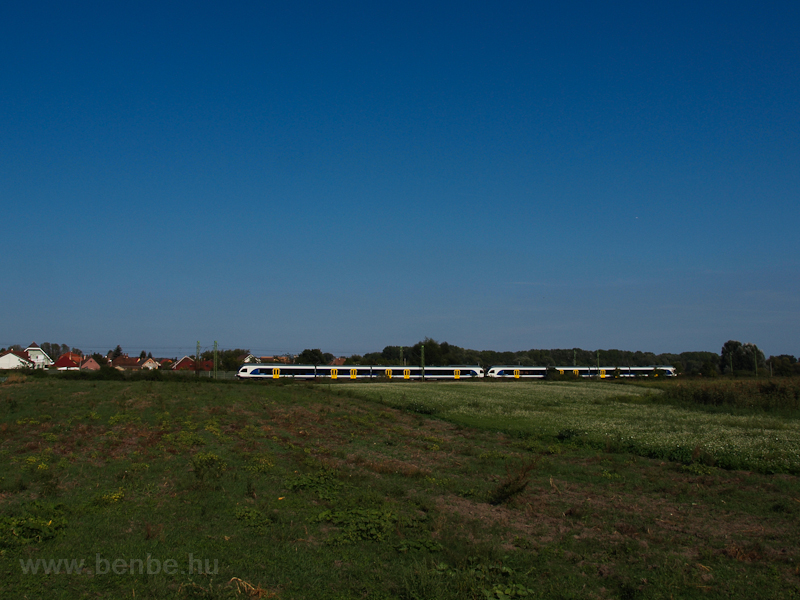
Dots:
pixel 392 355
pixel 373 358
pixel 355 359
pixel 433 353
pixel 737 357
pixel 784 365
pixel 311 357
pixel 227 360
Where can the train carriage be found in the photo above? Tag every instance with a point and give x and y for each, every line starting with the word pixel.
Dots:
pixel 276 371
pixel 453 372
pixel 517 372
pixel 350 372
pixel 520 372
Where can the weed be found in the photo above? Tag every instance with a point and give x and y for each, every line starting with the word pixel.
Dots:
pixel 493 455
pixel 15 378
pixel 566 434
pixel 508 590
pixel 32 528
pixel 250 489
pixel 514 483
pixel 606 474
pixel 418 546
pixel 153 531
pixel 421 408
pixel 123 419
pixel 359 524
pixel 49 485
pixel 253 518
pixel 323 483
pixel 185 439
pixel 110 498
pixel 207 465
pixel 697 469
pixel 260 464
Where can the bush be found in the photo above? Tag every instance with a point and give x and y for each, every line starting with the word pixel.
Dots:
pixel 512 484
pixel 765 395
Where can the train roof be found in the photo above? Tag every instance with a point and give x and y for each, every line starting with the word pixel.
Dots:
pixel 606 367
pixel 279 365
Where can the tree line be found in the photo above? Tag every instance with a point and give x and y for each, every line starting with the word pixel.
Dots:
pixel 734 358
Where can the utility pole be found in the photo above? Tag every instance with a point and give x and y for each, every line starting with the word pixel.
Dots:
pixel 574 357
pixel 197 361
pixel 215 359
pixel 422 360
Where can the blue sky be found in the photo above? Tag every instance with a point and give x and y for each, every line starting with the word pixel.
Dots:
pixel 504 175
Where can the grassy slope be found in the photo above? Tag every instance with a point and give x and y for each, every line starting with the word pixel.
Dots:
pixel 325 494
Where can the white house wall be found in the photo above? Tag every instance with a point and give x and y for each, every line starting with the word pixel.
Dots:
pixel 10 361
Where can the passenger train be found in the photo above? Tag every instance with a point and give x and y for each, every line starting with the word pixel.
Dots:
pixel 519 372
pixel 309 372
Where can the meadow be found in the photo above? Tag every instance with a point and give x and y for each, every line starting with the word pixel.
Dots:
pixel 631 418
pixel 203 489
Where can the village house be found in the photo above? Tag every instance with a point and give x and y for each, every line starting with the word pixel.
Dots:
pixel 11 359
pixel 90 364
pixel 38 356
pixel 187 363
pixel 125 363
pixel 149 364
pixel 68 362
pixel 286 360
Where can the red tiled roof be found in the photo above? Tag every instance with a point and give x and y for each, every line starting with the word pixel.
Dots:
pixel 125 362
pixel 66 361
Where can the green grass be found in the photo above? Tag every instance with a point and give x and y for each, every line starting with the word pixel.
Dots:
pixel 473 490
pixel 629 418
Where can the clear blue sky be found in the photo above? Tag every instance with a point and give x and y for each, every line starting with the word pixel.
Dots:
pixel 345 176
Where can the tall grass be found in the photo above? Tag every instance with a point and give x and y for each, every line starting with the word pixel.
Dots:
pixel 772 394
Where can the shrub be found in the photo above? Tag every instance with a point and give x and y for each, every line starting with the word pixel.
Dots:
pixel 514 483
pixel 207 464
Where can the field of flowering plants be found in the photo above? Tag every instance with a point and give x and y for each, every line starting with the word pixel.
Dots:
pixel 646 421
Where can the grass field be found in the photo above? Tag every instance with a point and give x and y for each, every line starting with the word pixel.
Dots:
pixel 188 489
pixel 602 415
